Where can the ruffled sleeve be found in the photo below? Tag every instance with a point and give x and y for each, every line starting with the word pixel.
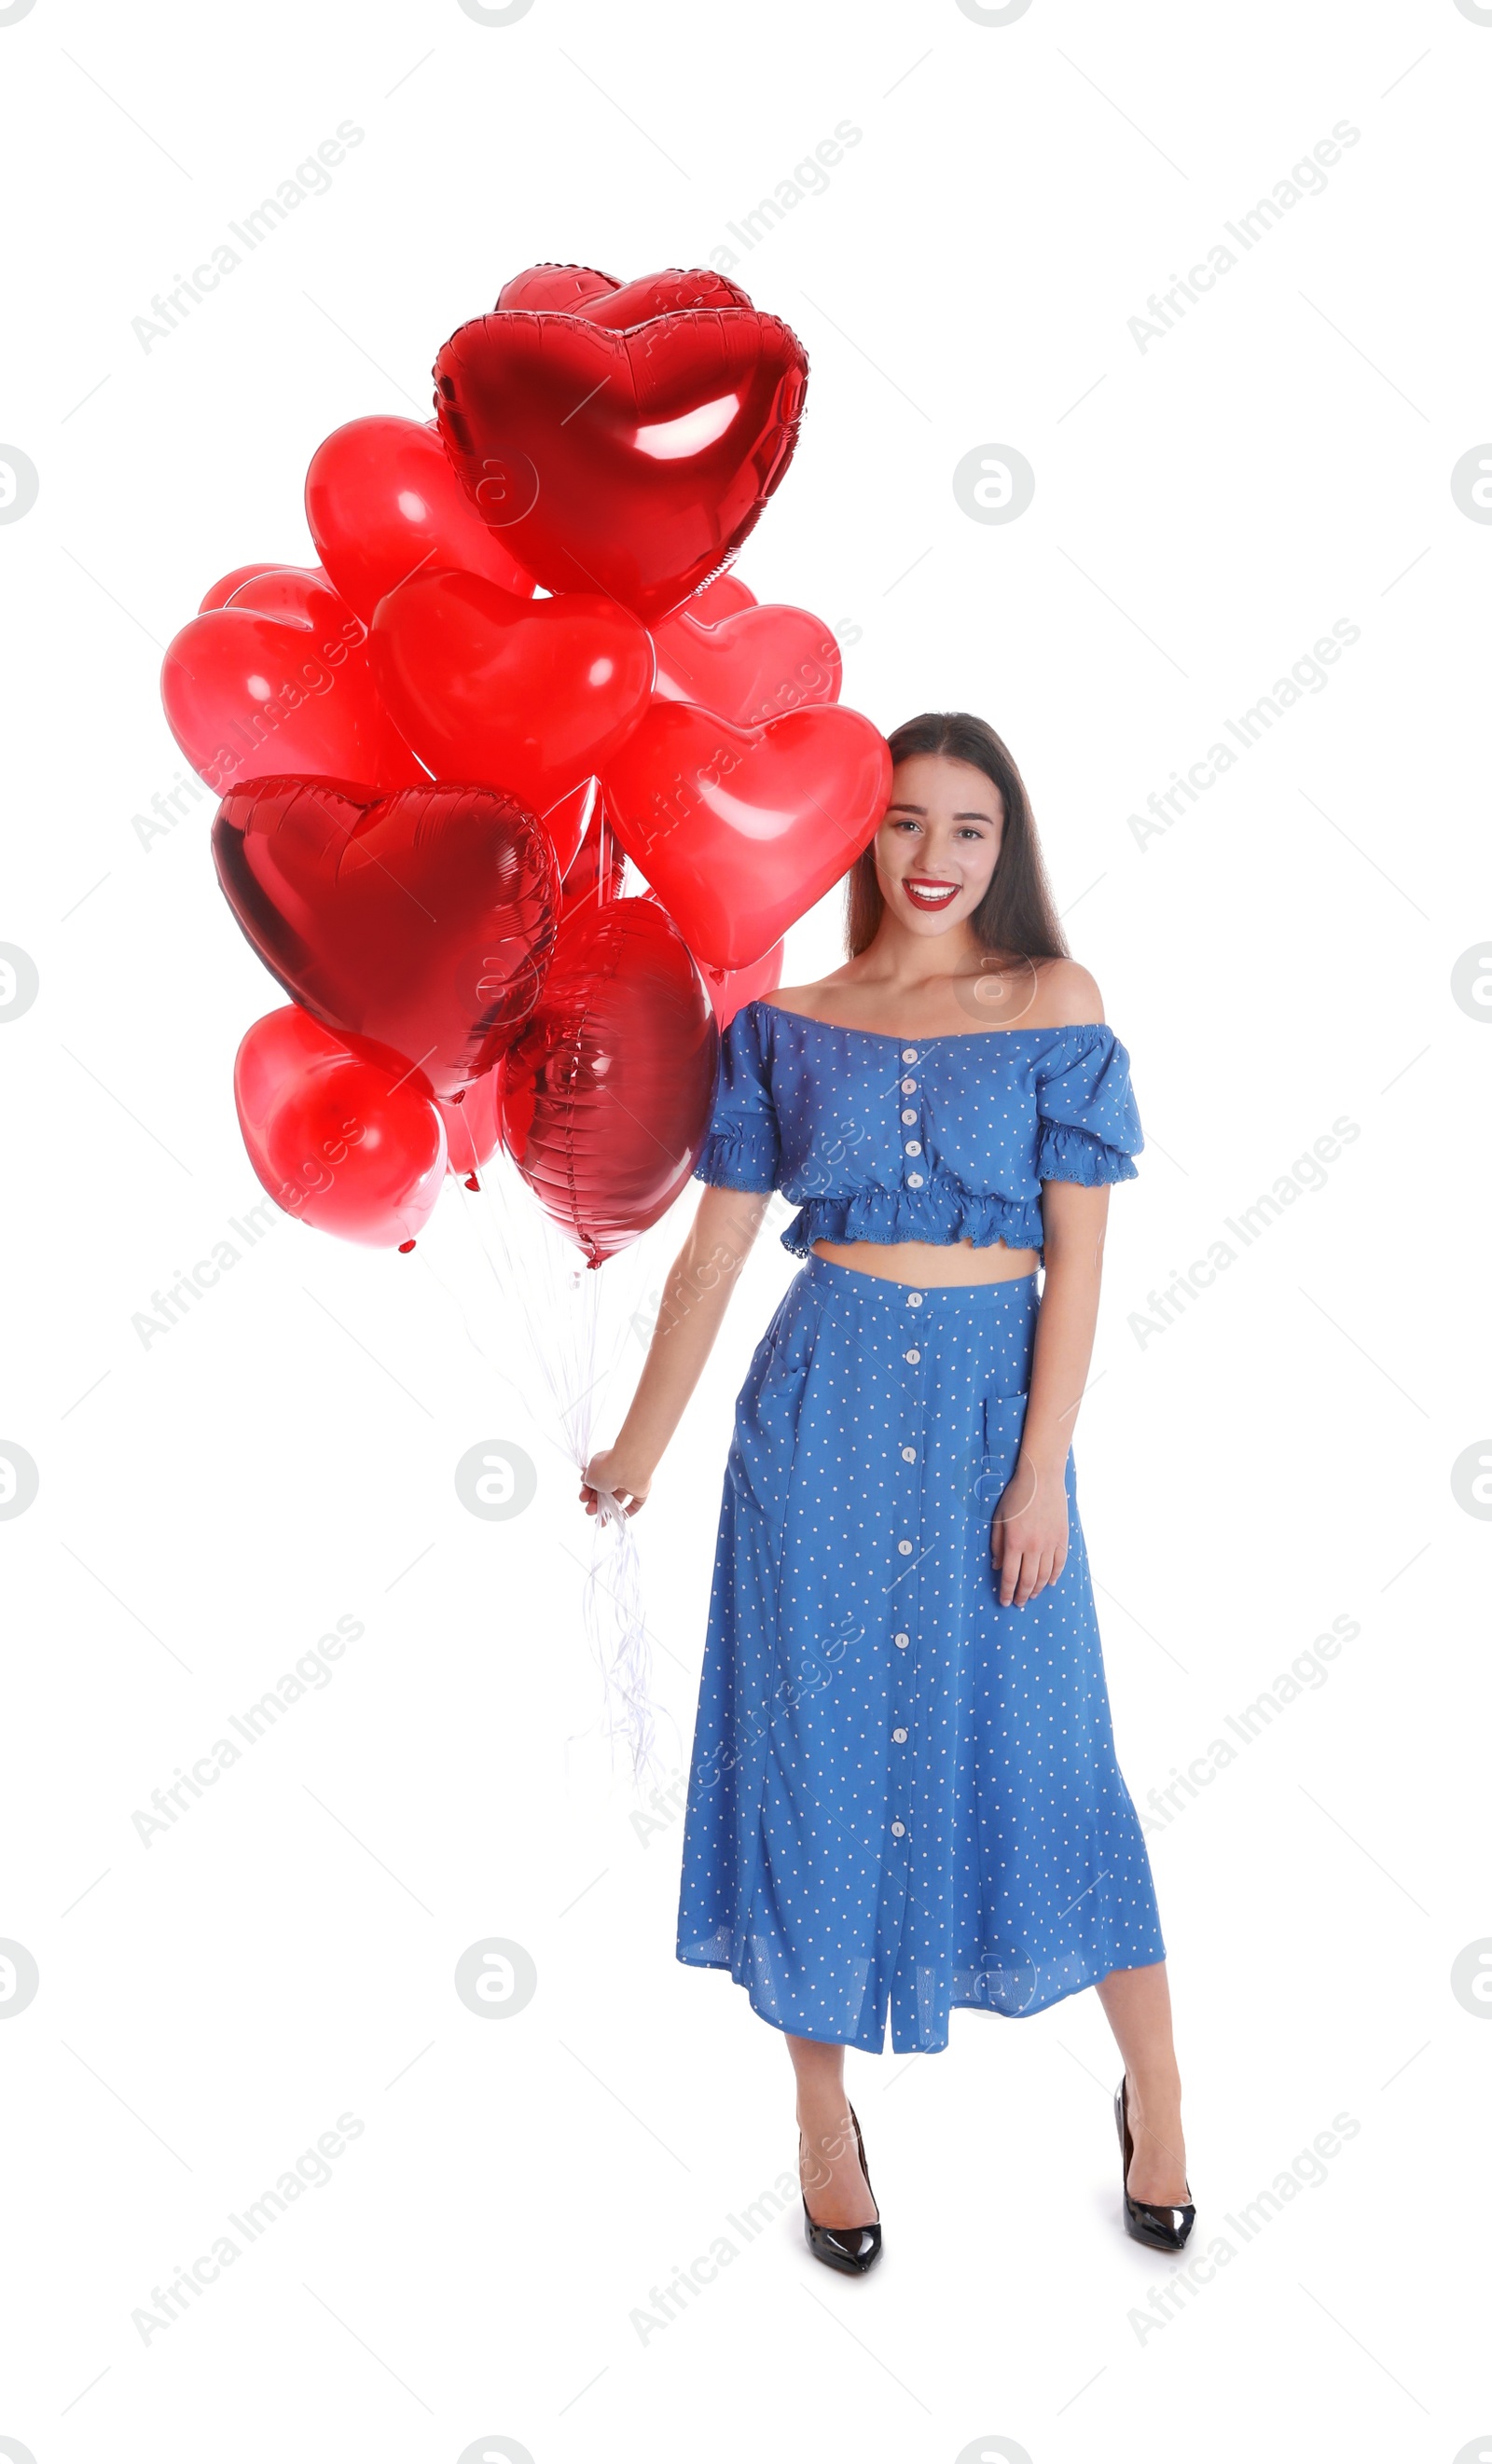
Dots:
pixel 742 1149
pixel 1087 1122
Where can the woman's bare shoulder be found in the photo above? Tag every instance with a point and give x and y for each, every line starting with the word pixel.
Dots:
pixel 1068 994
pixel 808 1001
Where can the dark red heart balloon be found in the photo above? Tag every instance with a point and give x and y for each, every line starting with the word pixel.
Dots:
pixel 424 921
pixel 251 696
pixel 341 1133
pixel 629 462
pixel 567 288
pixel 532 695
pixel 605 1097
pixel 748 667
pixel 580 291
pixel 741 830
pixel 383 502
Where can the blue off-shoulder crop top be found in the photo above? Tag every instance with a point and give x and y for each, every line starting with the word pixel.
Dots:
pixel 940 1138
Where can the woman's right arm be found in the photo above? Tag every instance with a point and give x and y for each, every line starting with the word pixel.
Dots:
pixel 700 1283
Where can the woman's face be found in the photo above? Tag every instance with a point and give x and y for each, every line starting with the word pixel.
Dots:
pixel 937 848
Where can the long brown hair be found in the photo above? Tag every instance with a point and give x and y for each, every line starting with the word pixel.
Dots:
pixel 1015 911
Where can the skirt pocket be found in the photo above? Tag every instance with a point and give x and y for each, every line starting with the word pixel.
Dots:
pixel 1004 1420
pixel 767 1408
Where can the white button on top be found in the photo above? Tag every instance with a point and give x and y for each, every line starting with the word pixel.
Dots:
pixel 898 1831
pixel 914 1356
pixel 909 1454
pixel 908 1118
pixel 913 1145
pixel 914 1180
pixel 908 1052
pixel 913 1300
pixel 901 1641
pixel 904 1548
pixel 908 1085
pixel 898 1736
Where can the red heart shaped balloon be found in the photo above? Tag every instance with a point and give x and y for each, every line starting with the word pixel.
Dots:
pixel 250 697
pixel 566 288
pixel 605 1097
pixel 295 594
pixel 223 591
pixel 341 1134
pixel 472 1133
pixel 533 696
pixel 741 830
pixel 580 291
pixel 424 921
pixel 383 502
pixel 720 597
pixel 731 988
pixel 633 462
pixel 748 667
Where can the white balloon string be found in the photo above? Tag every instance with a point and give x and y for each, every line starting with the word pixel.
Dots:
pixel 556 1304
pixel 618 1638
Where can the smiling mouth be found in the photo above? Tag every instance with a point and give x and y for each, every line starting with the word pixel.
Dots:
pixel 931 896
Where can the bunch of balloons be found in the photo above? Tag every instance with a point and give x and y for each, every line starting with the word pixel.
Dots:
pixel 519 659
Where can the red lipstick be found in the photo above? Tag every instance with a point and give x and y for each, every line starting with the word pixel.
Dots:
pixel 930 896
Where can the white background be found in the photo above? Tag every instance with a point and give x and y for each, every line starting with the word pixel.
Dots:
pixel 1280 1455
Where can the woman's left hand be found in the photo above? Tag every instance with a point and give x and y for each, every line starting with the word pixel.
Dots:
pixel 1028 1537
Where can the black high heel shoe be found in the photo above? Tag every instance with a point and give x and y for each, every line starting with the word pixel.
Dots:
pixel 1157 2227
pixel 854 2249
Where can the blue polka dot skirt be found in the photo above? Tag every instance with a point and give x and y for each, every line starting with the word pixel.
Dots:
pixel 903 1796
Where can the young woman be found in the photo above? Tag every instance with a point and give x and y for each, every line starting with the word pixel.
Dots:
pixel 904 1795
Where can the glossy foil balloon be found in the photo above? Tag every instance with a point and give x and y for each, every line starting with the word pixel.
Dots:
pixel 293 594
pixel 472 1133
pixel 628 461
pixel 250 697
pixel 731 988
pixel 721 597
pixel 596 874
pixel 424 921
pixel 341 1133
pixel 383 502
pixel 580 291
pixel 740 831
pixel 531 696
pixel 606 1096
pixel 222 591
pixel 749 666
pixel 568 821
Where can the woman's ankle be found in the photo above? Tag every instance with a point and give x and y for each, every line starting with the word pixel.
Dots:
pixel 827 2126
pixel 1156 2086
